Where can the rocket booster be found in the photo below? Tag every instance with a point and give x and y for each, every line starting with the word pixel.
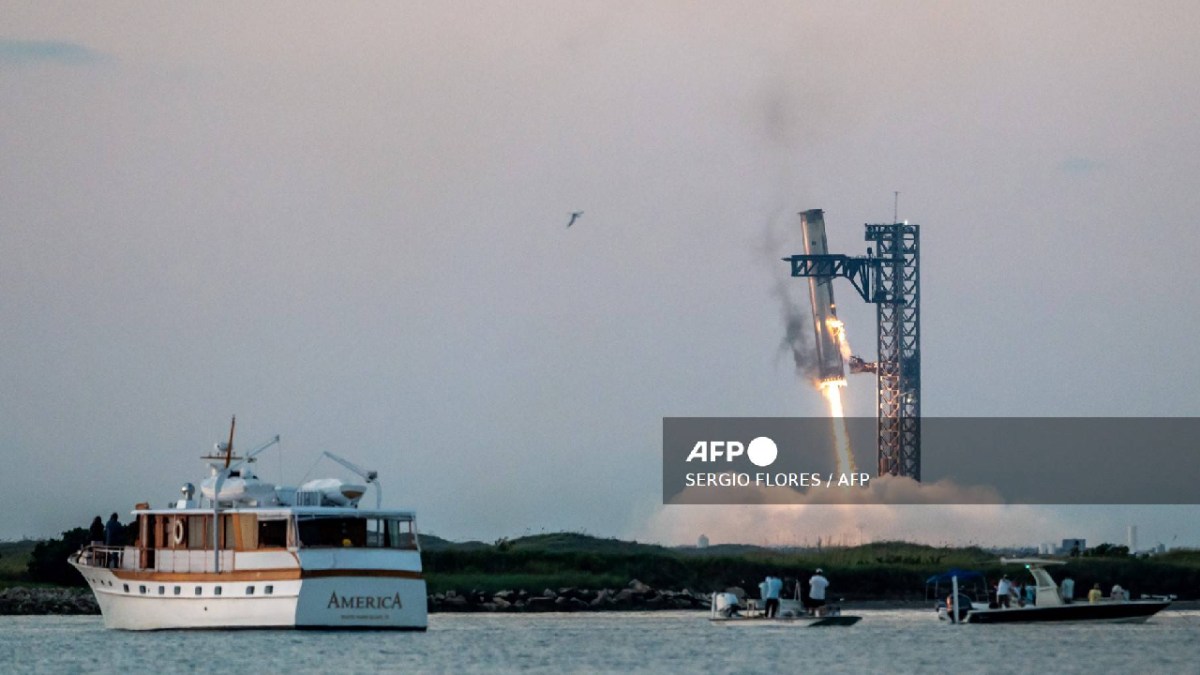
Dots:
pixel 826 326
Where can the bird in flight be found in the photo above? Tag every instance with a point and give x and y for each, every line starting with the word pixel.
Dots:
pixel 574 216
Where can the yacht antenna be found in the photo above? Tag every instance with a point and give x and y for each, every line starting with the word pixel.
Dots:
pixel 229 447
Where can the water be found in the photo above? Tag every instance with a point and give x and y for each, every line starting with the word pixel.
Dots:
pixel 903 641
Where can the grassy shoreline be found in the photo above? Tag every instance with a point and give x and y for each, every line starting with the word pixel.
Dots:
pixel 580 568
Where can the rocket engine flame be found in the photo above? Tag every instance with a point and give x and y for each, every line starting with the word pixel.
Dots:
pixel 832 389
pixel 839 335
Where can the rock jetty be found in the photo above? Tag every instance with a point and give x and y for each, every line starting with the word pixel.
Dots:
pixel 637 596
pixel 21 600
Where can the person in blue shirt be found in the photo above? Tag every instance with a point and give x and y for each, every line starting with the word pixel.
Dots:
pixel 773 586
pixel 1068 590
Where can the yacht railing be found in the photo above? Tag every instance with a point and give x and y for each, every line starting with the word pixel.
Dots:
pixel 96 555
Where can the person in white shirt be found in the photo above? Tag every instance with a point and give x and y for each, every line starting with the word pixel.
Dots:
pixel 1003 591
pixel 728 605
pixel 816 591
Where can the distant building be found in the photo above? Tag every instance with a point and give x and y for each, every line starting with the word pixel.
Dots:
pixel 1074 546
pixel 702 542
pixel 1131 538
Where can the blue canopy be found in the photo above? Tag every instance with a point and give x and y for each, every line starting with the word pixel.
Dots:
pixel 963 575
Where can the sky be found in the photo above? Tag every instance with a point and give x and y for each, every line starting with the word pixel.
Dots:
pixel 346 224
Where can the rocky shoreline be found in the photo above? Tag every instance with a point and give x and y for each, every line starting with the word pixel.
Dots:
pixel 637 596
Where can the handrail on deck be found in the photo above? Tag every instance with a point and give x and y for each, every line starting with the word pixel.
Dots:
pixel 98 555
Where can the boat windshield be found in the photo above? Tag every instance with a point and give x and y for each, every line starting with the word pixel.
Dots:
pixel 350 532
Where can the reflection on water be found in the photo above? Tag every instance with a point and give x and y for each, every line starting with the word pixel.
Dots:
pixel 678 642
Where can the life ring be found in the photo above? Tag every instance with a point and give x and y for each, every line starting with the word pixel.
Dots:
pixel 177 531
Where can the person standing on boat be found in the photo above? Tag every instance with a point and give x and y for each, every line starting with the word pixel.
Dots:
pixel 95 538
pixel 1068 590
pixel 1095 594
pixel 776 592
pixel 113 533
pixel 772 587
pixel 96 531
pixel 816 591
pixel 1003 591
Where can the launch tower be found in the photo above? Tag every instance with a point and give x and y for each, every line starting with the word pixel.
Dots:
pixel 888 277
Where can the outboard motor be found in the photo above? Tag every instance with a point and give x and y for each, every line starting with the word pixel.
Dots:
pixel 964 606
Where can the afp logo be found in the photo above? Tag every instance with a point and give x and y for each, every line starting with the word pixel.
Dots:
pixel 762 451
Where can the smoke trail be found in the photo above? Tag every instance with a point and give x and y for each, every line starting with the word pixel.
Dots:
pixel 797 337
pixel 797 334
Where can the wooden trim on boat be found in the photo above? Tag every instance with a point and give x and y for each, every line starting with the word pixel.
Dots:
pixel 276 574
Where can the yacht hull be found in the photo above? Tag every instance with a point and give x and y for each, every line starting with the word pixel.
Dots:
pixel 363 599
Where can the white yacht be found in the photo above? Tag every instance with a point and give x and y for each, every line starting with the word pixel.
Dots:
pixel 250 554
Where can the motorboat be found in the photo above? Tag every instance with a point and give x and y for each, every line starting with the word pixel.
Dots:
pixel 249 554
pixel 725 609
pixel 1049 605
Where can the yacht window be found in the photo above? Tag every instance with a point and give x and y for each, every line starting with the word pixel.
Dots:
pixel 376 533
pixel 196 537
pixel 400 534
pixel 142 590
pixel 178 590
pixel 217 590
pixel 247 524
pixel 228 533
pixel 126 587
pixel 335 532
pixel 269 590
pixel 199 590
pixel 162 590
pixel 272 534
pixel 249 590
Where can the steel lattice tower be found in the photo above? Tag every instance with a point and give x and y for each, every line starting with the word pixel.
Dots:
pixel 890 278
pixel 898 316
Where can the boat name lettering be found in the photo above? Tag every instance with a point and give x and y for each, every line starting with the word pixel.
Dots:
pixel 363 601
